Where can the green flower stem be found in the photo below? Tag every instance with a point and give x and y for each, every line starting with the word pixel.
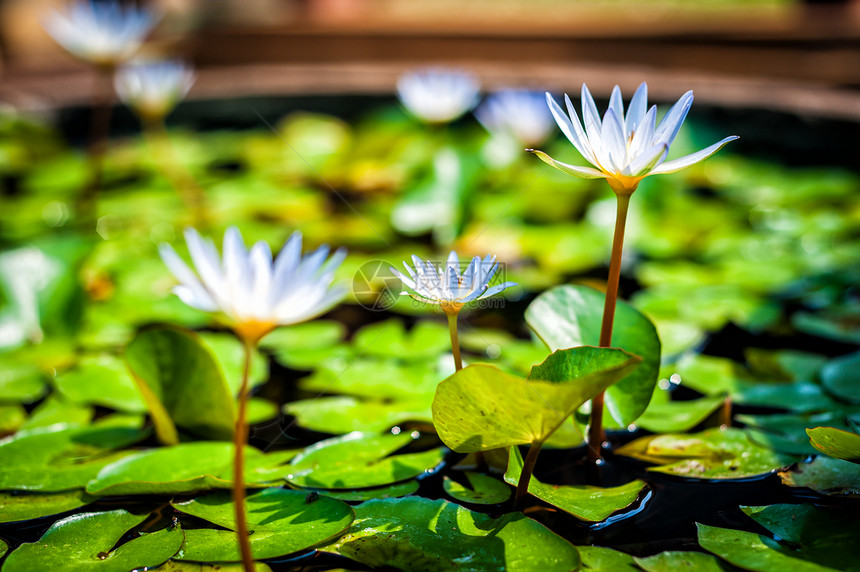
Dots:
pixel 595 428
pixel 455 344
pixel 102 101
pixel 155 131
pixel 526 475
pixel 239 440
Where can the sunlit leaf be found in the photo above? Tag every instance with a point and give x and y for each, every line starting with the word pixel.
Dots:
pixel 825 475
pixel 344 414
pixel 481 489
pixel 16 506
pixel 673 561
pixel 601 559
pixel 101 380
pixel 836 443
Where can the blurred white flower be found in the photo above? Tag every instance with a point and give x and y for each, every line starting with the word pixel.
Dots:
pixel 153 88
pixel 438 95
pixel 446 286
pixel 624 148
pixel 255 293
pixel 517 113
pixel 104 33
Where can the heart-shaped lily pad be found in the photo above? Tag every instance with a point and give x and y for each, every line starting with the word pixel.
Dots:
pixel 344 414
pixel 86 541
pixel 396 490
pixel 711 454
pixel 675 561
pixel 57 458
pixel 839 377
pixel 389 339
pixel 569 316
pixel 359 460
pixel 825 475
pixel 20 383
pixel 480 407
pixel 15 506
pixel 602 559
pixel 230 356
pixel 752 551
pixel 786 433
pixel 422 535
pixel 374 378
pixel 11 418
pixel 55 410
pixel 303 346
pixel 666 416
pixel 836 443
pixel 281 522
pixel 482 489
pixel 181 383
pixel 176 566
pixel 582 501
pixel 101 380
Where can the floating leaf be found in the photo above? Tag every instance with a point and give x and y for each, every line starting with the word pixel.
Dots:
pixel 58 458
pixel 20 383
pixel 840 378
pixel 11 418
pixel 174 566
pixel 788 365
pixel 673 561
pixel 374 378
pixel 569 316
pixel 101 380
pixel 426 340
pixel 480 407
pixel 665 416
pixel 15 506
pixel 3 548
pixel 835 323
pixel 601 559
pixel 181 383
pixel 396 490
pixel 281 522
pixel 482 489
pixel 303 346
pixel 359 460
pixel 825 475
pixel 836 443
pixel 344 414
pixel 416 534
pixel 260 410
pixel 87 541
pixel 752 551
pixel 711 454
pixel 230 356
pixel 786 433
pixel 582 501
pixel 55 410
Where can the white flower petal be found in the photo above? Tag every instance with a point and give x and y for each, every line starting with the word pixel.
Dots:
pixel 584 146
pixel 496 289
pixel 584 172
pixel 614 141
pixel 671 123
pixel 647 161
pixel 691 159
pixel 636 110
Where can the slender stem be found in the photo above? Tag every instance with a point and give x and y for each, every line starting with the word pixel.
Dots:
pixel 240 438
pixel 102 100
pixel 526 475
pixel 186 186
pixel 595 429
pixel 726 413
pixel 455 344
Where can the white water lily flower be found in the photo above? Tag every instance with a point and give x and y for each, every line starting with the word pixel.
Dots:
pixel 153 87
pixel 446 286
pixel 438 95
pixel 255 293
pixel 518 113
pixel 624 148
pixel 104 33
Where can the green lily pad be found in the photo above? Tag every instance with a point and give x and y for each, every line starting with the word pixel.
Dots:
pixel 585 502
pixel 825 475
pixel 175 566
pixel 181 383
pixel 281 522
pixel 673 561
pixel 56 410
pixel 101 380
pixel 374 378
pixel 59 458
pixel 480 407
pixel 416 534
pixel 665 416
pixel 708 374
pixel 825 536
pixel 15 506
pixel 303 346
pixel 359 460
pixel 389 339
pixel 482 489
pixel 569 316
pixel 260 410
pixel 230 355
pixel 752 551
pixel 86 541
pixel 4 548
pixel 800 396
pixel 396 490
pixel 20 383
pixel 786 433
pixel 344 414
pixel 836 443
pixel 786 365
pixel 711 454
pixel 11 418
pixel 835 323
pixel 839 377
pixel 601 559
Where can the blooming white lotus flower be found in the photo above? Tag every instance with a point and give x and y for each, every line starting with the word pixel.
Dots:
pixel 518 113
pixel 438 95
pixel 104 33
pixel 153 87
pixel 255 293
pixel 624 148
pixel 446 286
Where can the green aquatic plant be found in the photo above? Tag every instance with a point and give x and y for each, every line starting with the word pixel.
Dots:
pixel 623 149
